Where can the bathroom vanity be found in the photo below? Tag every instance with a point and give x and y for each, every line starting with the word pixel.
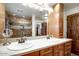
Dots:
pixel 62 49
pixel 41 47
pixel 33 26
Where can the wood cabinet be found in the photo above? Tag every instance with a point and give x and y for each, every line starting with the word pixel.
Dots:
pixel 61 19
pixel 36 53
pixel 59 50
pixel 46 52
pixel 55 21
pixel 2 17
pixel 67 51
pixel 63 49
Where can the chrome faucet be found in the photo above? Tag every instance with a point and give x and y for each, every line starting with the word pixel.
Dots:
pixel 49 36
pixel 22 40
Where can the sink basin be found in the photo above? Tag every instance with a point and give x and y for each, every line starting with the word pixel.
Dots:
pixel 19 46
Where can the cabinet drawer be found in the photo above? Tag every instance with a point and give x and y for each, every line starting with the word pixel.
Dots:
pixel 59 50
pixel 32 54
pixel 60 53
pixel 56 54
pixel 67 44
pixel 67 53
pixel 46 51
pixel 59 47
pixel 68 48
pixel 48 54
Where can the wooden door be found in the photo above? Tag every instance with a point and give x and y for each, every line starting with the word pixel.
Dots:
pixel 77 36
pixel 69 29
pixel 73 31
pixel 44 29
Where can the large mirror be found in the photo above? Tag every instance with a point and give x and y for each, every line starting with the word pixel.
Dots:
pixel 19 18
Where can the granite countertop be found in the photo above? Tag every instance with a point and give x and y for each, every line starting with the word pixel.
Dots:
pixel 36 45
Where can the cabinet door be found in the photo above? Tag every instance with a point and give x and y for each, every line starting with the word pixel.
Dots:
pixel 59 50
pixel 32 54
pixel 46 52
pixel 68 48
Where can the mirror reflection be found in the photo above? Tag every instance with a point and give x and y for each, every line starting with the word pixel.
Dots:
pixel 25 21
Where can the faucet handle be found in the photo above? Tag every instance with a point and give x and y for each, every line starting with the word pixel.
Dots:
pixel 22 40
pixel 6 43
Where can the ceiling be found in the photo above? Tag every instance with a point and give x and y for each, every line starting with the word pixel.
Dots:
pixel 68 6
pixel 22 11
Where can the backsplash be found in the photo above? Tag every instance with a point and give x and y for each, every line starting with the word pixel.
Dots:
pixel 27 38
